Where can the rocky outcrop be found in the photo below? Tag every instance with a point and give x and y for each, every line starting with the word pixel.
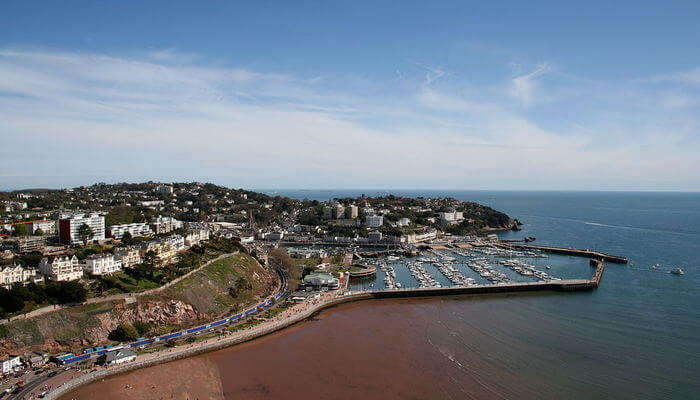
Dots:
pixel 172 312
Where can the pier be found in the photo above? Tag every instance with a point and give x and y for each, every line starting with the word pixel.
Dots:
pixel 596 255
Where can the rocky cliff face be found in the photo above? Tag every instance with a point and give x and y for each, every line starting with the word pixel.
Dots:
pixel 172 312
pixel 202 296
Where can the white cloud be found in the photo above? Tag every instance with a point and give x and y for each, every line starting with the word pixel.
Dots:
pixel 95 116
pixel 523 86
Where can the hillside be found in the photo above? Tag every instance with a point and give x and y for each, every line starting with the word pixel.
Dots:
pixel 220 287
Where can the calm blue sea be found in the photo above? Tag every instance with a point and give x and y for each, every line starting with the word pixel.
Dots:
pixel 637 336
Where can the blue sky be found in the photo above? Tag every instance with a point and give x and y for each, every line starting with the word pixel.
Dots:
pixel 453 95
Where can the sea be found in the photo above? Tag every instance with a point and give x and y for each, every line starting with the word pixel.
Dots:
pixel 635 337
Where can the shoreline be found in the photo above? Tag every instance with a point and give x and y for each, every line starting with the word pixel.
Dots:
pixel 206 346
pixel 326 301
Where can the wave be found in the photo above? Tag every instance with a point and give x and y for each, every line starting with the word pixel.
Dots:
pixel 636 228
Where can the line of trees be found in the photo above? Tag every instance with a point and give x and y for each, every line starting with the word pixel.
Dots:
pixel 16 298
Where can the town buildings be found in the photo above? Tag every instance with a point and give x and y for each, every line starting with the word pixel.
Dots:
pixel 47 226
pixel 374 236
pixel 69 225
pixel 165 224
pixel 165 189
pixel 451 217
pixel 403 222
pixel 374 221
pixel 16 273
pixel 416 237
pixel 151 203
pixel 127 256
pixel 165 249
pixel 351 211
pixel 9 363
pixel 101 264
pixel 28 244
pixel 114 357
pixel 135 229
pixel 10 206
pixel 61 268
pixel 196 236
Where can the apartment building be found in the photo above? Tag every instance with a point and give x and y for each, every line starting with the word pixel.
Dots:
pixel 165 224
pixel 28 244
pixel 127 256
pixel 48 227
pixel 374 221
pixel 61 268
pixel 165 189
pixel 351 211
pixel 69 225
pixel 135 230
pixel 101 264
pixel 165 248
pixel 16 273
pixel 9 363
pixel 451 217
pixel 196 236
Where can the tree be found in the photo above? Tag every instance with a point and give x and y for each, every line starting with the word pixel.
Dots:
pixel 85 233
pixel 66 292
pixel 39 232
pixel 127 238
pixel 143 328
pixel 124 332
pixel 21 230
pixel 281 258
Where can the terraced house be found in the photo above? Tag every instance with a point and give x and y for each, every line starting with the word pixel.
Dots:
pixel 61 268
pixel 16 273
pixel 128 256
pixel 101 264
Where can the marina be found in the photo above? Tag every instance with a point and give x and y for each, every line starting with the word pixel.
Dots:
pixel 464 265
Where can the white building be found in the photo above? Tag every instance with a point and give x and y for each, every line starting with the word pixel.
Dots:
pixel 62 268
pixel 274 236
pixel 15 205
pixel 165 189
pixel 127 256
pixel 101 264
pixel 165 224
pixel 9 363
pixel 374 236
pixel 450 217
pixel 48 227
pixel 151 203
pixel 374 221
pixel 136 229
pixel 429 234
pixel 351 211
pixel 196 236
pixel 117 357
pixel 16 273
pixel 403 222
pixel 69 225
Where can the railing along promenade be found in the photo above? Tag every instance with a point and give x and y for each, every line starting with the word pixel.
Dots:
pixel 267 328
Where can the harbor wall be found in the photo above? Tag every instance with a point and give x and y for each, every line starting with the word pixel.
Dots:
pixel 570 252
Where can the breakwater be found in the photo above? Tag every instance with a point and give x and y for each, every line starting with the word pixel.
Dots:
pixel 597 255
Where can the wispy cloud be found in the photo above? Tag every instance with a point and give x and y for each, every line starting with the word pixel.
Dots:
pixel 523 86
pixel 164 115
